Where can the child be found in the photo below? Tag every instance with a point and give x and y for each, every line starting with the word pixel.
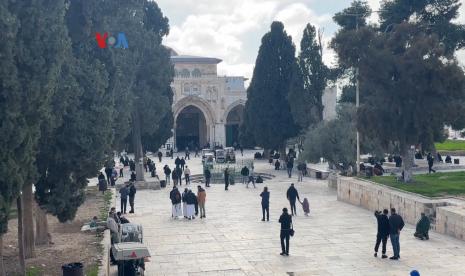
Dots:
pixel 306 206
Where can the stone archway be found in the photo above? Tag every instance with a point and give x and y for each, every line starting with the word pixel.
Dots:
pixel 233 120
pixel 191 128
pixel 193 123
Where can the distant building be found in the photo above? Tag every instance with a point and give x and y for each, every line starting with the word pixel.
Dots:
pixel 207 108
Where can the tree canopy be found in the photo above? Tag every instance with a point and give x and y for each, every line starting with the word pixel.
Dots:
pixel 309 80
pixel 268 113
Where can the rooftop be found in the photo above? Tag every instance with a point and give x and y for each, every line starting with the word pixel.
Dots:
pixel 195 59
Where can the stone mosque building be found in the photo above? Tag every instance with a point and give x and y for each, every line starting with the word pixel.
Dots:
pixel 208 108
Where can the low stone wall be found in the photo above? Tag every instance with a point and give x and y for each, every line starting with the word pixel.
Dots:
pixel 447 214
pixel 104 267
pixel 450 220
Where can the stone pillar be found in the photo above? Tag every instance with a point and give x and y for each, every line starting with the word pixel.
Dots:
pixel 220 134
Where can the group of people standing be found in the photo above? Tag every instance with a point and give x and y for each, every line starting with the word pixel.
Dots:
pixel 388 227
pixel 191 203
pixel 177 173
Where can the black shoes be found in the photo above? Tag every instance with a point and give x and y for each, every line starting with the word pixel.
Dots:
pixel 376 254
pixel 384 256
pixel 394 258
pixel 263 219
pixel 282 253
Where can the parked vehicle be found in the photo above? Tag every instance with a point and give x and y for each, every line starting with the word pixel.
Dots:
pixel 220 156
pixel 209 160
pixel 205 152
pixel 230 155
pixel 130 253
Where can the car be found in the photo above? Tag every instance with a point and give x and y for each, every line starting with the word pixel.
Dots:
pixel 205 152
pixel 220 156
pixel 208 160
pixel 230 155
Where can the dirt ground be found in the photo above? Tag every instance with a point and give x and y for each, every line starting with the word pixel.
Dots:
pixel 70 244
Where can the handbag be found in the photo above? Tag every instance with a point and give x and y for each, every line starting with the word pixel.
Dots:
pixel 291 231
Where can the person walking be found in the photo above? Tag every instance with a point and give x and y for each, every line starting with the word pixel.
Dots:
pixel 196 152
pixel 265 204
pixel 167 172
pixel 187 154
pixel 175 197
pixel 226 179
pixel 121 174
pixel 201 198
pixel 396 223
pixel 251 179
pixel 132 195
pixel 183 163
pixel 160 155
pixel 430 159
pixel 383 231
pixel 290 166
pixel 124 192
pixel 292 195
pixel 286 227
pixel 187 173
pixel 171 153
pixel 301 168
pixel 177 161
pixel 245 174
pixel 208 176
pixel 102 183
pixel 108 172
pixel 174 177
pixel 179 175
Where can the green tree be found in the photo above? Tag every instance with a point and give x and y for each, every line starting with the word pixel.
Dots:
pixel 12 132
pixel 40 46
pixel 354 16
pixel 335 140
pixel 309 81
pixel 407 82
pixel 268 113
pixel 139 76
pixel 432 15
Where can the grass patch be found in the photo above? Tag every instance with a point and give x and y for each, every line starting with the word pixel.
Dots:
pixel 106 205
pixel 92 270
pixel 431 185
pixel 451 145
pixel 34 271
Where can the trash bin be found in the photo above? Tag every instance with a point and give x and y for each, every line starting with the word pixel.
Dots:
pixel 318 175
pixel 456 161
pixel 162 183
pixel 73 269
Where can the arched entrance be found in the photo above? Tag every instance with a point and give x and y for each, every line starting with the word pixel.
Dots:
pixel 233 121
pixel 191 128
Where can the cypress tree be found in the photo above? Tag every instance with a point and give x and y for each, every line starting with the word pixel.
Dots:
pixel 268 113
pixel 12 136
pixel 309 81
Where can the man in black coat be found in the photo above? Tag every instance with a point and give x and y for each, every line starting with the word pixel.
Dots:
pixel 292 196
pixel 383 231
pixel 132 195
pixel 396 223
pixel 265 204
pixel 226 179
pixel 177 161
pixel 208 176
pixel 286 221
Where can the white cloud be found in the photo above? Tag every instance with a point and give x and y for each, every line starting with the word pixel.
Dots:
pixel 296 16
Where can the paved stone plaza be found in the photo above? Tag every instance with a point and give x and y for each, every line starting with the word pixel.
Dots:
pixel 336 239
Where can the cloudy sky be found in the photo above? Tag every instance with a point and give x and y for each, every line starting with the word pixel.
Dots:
pixel 232 29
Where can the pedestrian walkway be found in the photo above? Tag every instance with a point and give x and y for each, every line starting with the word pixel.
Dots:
pixel 336 239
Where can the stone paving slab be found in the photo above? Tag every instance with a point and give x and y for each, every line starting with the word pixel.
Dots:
pixel 336 239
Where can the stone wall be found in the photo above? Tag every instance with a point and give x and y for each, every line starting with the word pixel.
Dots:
pixel 447 214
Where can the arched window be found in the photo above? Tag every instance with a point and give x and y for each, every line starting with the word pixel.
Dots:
pixel 196 73
pixel 185 73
